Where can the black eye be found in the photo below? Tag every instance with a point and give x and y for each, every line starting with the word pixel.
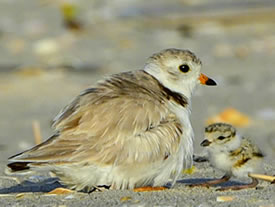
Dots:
pixel 221 137
pixel 184 68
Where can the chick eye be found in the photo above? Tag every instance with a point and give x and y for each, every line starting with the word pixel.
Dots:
pixel 184 68
pixel 221 137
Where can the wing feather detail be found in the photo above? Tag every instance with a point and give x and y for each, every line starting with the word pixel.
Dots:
pixel 121 120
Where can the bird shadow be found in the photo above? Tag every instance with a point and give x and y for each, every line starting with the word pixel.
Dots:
pixel 44 186
pixel 50 184
pixel 203 180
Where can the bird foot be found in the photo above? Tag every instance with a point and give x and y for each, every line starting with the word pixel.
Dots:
pixel 229 188
pixel 237 187
pixel 149 188
pixel 60 191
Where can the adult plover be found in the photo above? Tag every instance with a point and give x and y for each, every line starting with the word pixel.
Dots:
pixel 130 130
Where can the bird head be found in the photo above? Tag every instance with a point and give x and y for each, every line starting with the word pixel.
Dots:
pixel 178 70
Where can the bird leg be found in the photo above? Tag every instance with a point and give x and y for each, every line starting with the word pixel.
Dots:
pixel 61 191
pixel 253 184
pixel 197 158
pixel 149 188
pixel 212 182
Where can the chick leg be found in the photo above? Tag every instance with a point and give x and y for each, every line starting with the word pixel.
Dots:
pixel 253 184
pixel 197 158
pixel 212 182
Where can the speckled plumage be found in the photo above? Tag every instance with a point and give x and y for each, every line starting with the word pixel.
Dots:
pixel 234 153
pixel 231 153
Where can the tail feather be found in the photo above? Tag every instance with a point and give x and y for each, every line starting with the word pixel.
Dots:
pixel 19 163
pixel 22 167
pixel 40 157
pixel 18 166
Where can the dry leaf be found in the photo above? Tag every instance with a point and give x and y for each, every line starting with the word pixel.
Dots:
pixel 225 198
pixel 231 116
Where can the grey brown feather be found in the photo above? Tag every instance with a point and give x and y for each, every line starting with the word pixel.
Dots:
pixel 130 130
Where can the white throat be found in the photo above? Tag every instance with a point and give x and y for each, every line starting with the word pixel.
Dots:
pixel 185 88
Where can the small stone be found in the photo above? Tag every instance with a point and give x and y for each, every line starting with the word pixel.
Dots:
pixel 45 47
pixel 125 198
pixel 69 197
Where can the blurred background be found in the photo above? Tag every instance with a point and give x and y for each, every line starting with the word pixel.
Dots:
pixel 50 50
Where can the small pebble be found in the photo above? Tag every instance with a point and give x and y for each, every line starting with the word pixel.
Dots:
pixel 46 47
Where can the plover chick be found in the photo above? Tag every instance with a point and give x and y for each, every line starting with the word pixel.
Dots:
pixel 229 152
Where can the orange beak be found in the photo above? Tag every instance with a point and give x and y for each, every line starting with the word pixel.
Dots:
pixel 206 81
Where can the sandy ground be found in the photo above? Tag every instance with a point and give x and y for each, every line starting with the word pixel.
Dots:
pixel 43 66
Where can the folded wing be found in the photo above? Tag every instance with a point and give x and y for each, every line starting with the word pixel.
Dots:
pixel 111 124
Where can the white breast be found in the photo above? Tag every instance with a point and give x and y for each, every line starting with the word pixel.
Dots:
pixel 220 160
pixel 186 145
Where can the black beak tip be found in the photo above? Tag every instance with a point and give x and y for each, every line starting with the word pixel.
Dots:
pixel 210 82
pixel 205 143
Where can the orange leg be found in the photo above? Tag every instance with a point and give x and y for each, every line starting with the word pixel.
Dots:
pixel 60 191
pixel 240 187
pixel 149 188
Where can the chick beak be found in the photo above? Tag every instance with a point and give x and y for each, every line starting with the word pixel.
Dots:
pixel 206 81
pixel 205 143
